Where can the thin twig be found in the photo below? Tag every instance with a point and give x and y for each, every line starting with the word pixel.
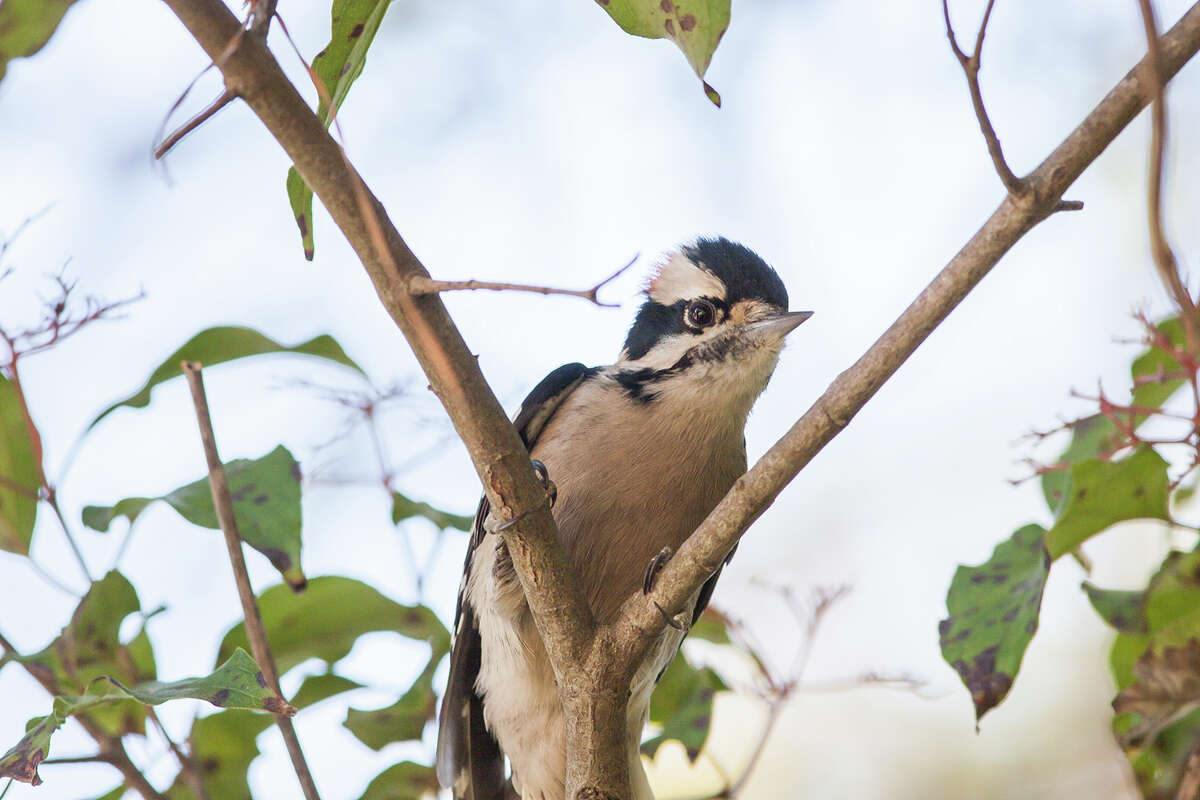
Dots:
pixel 98 758
pixel 198 119
pixel 187 767
pixel 970 66
pixel 418 284
pixel 1164 258
pixel 255 630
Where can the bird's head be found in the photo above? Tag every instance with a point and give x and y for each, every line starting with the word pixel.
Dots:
pixel 713 324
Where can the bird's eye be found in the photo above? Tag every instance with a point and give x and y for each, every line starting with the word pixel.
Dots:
pixel 699 314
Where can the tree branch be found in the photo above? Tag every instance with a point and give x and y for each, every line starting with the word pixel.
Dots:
pixel 593 666
pixel 1164 258
pixel 559 608
pixel 707 547
pixel 255 630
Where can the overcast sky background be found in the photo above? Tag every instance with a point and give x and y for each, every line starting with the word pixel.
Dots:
pixel 536 142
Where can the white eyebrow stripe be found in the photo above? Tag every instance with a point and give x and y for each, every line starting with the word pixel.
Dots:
pixel 679 279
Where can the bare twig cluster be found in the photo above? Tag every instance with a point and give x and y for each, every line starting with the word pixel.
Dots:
pixel 594 664
pixel 773 686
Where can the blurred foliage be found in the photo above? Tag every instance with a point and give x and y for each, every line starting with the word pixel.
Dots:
pixel 19 467
pixel 26 26
pixel 1109 473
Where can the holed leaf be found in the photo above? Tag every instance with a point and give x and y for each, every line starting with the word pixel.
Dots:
pixel 403 508
pixel 404 781
pixel 1103 493
pixel 328 618
pixel 266 505
pixel 237 683
pixel 220 345
pixel 993 615
pixel 695 26
pixel 26 26
pixel 19 458
pixel 682 705
pixel 353 27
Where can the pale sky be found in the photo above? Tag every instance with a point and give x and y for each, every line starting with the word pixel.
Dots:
pixel 536 142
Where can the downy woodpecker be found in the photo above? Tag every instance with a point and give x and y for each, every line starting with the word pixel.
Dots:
pixel 639 452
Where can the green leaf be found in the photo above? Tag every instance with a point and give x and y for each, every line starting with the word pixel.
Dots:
pixel 353 27
pixel 1173 592
pixel 403 508
pixel 26 26
pixel 19 458
pixel 695 26
pixel 237 683
pixel 1103 493
pixel 115 794
pixel 1090 437
pixel 301 198
pixel 993 614
pixel 1121 609
pixel 682 705
pixel 328 618
pixel 220 345
pixel 402 721
pixel 89 647
pixel 404 781
pixel 266 505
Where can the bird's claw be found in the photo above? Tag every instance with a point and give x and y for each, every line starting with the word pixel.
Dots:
pixel 654 567
pixel 543 475
pixel 672 622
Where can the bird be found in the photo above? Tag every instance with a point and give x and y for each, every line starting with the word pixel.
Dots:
pixel 635 454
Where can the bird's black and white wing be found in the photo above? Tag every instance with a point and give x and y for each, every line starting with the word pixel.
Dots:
pixel 469 761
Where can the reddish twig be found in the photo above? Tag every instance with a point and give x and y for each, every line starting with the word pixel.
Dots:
pixel 255 630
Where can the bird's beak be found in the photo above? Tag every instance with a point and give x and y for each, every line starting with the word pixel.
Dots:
pixel 776 326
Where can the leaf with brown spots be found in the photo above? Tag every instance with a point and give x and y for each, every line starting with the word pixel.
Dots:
pixel 1100 494
pixel 682 706
pixel 224 744
pixel 89 646
pixel 232 685
pixel 326 620
pixel 266 505
pixel 19 464
pixel 695 26
pixel 993 615
pixel 1123 610
pixel 352 30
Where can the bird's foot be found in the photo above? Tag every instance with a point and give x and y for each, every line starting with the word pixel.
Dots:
pixel 654 567
pixel 543 475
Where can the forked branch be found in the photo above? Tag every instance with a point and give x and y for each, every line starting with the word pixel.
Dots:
pixel 420 285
